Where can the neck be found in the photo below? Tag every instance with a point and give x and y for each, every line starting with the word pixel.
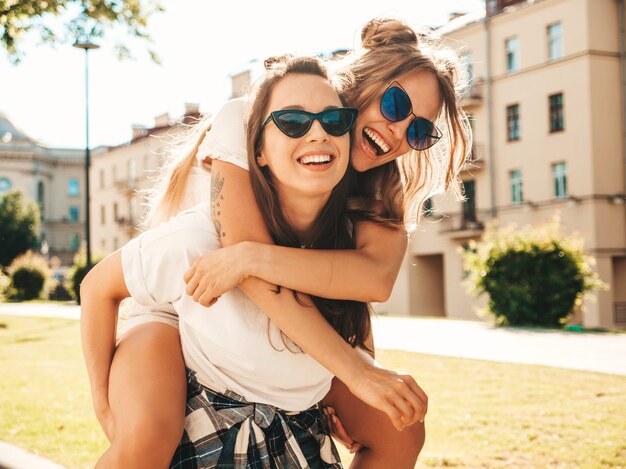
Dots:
pixel 301 211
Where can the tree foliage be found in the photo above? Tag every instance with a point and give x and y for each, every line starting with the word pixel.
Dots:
pixel 533 276
pixel 79 21
pixel 19 225
pixel 78 272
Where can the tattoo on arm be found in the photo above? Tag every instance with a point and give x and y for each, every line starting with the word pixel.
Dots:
pixel 217 184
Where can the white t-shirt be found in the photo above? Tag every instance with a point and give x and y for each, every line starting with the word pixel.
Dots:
pixel 228 345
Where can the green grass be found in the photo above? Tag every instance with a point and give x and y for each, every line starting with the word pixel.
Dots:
pixel 481 414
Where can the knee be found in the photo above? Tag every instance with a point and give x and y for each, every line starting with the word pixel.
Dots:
pixel 399 448
pixel 149 443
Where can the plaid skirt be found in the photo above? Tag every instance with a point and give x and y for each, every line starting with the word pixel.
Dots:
pixel 226 431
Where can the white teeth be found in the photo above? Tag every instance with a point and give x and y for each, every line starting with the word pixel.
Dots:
pixel 315 159
pixel 379 141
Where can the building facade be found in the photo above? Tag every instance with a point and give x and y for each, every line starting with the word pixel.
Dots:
pixel 547 110
pixel 120 175
pixel 52 177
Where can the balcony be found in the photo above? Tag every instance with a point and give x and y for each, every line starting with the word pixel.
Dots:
pixel 473 97
pixel 476 159
pixel 127 186
pixel 462 226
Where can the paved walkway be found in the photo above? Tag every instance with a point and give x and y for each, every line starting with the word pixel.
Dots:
pixel 601 352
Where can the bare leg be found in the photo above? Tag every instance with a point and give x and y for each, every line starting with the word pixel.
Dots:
pixel 383 445
pixel 147 395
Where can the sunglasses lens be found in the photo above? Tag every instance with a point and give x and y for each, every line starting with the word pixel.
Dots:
pixel 337 122
pixel 422 134
pixel 293 124
pixel 395 105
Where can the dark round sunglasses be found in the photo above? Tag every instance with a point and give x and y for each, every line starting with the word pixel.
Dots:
pixel 295 123
pixel 395 106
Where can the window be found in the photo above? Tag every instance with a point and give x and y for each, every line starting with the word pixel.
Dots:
pixel 74 214
pixel 492 7
pixel 512 122
pixel 559 176
pixel 511 47
pixel 5 185
pixel 102 215
pixel 557 122
pixel 469 206
pixel 75 242
pixel 102 179
pixel 467 64
pixel 116 244
pixel 72 187
pixel 116 214
pixel 517 193
pixel 555 41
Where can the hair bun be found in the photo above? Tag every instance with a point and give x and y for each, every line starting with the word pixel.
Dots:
pixel 385 32
pixel 277 61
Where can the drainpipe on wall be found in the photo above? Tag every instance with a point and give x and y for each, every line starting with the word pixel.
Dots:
pixel 489 89
pixel 622 59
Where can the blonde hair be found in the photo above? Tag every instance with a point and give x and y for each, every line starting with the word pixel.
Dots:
pixel 165 199
pixel 391 48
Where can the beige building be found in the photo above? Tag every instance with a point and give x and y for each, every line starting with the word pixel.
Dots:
pixel 547 107
pixel 119 175
pixel 54 178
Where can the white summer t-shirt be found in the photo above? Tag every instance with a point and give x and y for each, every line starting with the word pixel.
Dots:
pixel 228 345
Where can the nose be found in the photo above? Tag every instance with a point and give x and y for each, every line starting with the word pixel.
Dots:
pixel 398 129
pixel 317 133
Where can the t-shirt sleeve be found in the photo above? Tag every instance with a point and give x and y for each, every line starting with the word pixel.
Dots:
pixel 155 262
pixel 226 139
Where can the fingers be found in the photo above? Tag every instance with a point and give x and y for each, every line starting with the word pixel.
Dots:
pixel 337 430
pixel 192 285
pixel 416 398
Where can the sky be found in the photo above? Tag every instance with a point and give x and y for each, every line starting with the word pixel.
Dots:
pixel 200 44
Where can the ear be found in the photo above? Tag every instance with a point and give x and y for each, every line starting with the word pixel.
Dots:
pixel 261 161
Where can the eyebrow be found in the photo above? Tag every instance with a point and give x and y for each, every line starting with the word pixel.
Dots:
pixel 301 108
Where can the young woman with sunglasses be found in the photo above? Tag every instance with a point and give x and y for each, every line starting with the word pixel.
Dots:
pixel 251 392
pixel 393 181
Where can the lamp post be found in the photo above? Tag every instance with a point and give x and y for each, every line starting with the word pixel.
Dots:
pixel 86 46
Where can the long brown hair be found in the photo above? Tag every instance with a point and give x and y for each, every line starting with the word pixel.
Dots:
pixel 391 48
pixel 332 229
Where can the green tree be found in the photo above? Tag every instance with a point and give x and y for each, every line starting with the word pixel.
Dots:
pixel 533 276
pixel 65 21
pixel 19 225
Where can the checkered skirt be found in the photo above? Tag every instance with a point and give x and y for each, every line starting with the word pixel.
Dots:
pixel 226 431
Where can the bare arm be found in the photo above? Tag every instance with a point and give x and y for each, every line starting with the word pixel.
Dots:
pixel 366 273
pixel 101 292
pixel 236 216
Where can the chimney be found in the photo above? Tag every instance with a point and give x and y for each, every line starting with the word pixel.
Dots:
pixel 162 120
pixel 192 109
pixel 139 131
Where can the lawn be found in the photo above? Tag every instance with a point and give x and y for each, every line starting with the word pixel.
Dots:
pixel 481 414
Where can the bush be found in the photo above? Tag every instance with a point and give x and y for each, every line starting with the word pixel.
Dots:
pixel 533 276
pixel 30 277
pixel 79 271
pixel 21 226
pixel 5 284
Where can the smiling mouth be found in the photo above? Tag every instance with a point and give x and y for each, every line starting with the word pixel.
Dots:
pixel 315 160
pixel 375 142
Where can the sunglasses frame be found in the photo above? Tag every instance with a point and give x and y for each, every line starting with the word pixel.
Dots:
pixel 275 115
pixel 415 119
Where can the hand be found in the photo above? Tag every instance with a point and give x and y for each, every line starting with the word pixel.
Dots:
pixel 337 430
pixel 215 273
pixel 396 394
pixel 104 416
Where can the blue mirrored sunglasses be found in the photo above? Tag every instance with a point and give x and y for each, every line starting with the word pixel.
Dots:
pixel 395 106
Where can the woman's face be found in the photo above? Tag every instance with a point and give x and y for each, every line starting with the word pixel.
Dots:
pixel 377 140
pixel 313 164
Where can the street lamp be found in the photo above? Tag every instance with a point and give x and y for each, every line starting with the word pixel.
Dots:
pixel 86 46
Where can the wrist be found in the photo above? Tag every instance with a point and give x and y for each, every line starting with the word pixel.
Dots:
pixel 255 258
